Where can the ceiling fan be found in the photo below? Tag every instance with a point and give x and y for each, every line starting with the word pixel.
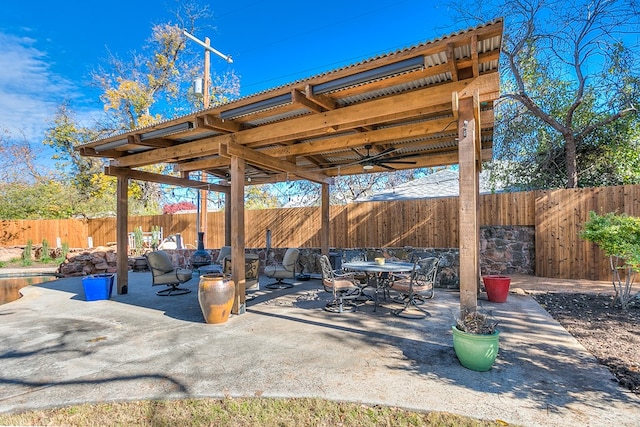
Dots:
pixel 369 162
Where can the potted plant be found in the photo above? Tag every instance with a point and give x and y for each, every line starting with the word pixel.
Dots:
pixel 618 235
pixel 476 341
pixel 497 287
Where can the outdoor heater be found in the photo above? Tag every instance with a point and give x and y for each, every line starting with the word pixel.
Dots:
pixel 200 257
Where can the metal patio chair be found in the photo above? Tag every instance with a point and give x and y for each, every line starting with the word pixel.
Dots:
pixel 416 287
pixel 345 288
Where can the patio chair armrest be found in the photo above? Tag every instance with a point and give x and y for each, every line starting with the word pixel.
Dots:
pixel 344 275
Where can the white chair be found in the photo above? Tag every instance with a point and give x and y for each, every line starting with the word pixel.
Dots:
pixel 225 251
pixel 284 270
pixel 345 288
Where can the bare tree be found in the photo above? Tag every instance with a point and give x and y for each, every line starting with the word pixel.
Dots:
pixel 22 156
pixel 572 64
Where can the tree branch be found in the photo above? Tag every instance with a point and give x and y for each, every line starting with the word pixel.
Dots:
pixel 609 119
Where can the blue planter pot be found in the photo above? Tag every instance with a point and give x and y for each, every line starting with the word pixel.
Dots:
pixel 97 286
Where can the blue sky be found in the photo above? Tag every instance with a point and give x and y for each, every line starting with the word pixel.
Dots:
pixel 47 49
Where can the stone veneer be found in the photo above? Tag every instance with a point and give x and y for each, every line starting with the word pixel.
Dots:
pixel 503 250
pixel 507 250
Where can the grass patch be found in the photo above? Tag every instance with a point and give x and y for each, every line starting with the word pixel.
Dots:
pixel 19 263
pixel 238 413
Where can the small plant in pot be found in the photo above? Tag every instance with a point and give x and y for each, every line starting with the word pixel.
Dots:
pixel 476 340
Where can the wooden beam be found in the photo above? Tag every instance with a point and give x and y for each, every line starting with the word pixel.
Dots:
pixel 380 136
pixel 272 163
pixel 486 119
pixel 433 160
pixel 468 204
pixel 153 142
pixel 474 55
pixel 455 105
pixel 358 115
pixel 318 146
pixel 208 163
pixel 91 152
pixel 322 100
pixel 299 98
pixel 237 234
pixel 481 58
pixel 324 220
pixel 227 219
pixel 209 121
pixel 451 61
pixel 163 179
pixel 478 129
pixel 122 237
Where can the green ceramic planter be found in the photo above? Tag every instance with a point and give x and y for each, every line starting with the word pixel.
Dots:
pixel 475 352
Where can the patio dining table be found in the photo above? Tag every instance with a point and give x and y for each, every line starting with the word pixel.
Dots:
pixel 375 270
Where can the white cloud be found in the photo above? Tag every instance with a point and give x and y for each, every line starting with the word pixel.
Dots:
pixel 29 90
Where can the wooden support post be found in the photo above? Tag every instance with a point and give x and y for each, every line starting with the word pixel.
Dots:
pixel 122 238
pixel 324 221
pixel 468 205
pixel 227 219
pixel 203 210
pixel 237 233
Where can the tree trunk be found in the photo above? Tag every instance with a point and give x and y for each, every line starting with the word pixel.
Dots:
pixel 570 157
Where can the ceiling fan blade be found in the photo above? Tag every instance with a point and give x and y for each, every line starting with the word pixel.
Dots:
pixel 382 165
pixel 386 151
pixel 378 155
pixel 398 162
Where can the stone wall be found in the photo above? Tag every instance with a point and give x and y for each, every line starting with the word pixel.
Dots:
pixel 507 250
pixel 503 250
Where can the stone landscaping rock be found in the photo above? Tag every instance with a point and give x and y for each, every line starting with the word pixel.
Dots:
pixel 98 260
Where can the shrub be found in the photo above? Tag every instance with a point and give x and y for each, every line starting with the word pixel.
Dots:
pixel 138 238
pixel 26 254
pixel 45 256
pixel 618 235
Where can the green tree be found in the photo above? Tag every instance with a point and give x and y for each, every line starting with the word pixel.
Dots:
pixel 529 155
pixel 63 137
pixel 570 66
pixel 42 200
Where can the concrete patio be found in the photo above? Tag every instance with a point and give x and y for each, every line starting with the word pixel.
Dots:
pixel 58 350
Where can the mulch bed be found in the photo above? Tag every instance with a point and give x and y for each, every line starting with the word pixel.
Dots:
pixel 611 334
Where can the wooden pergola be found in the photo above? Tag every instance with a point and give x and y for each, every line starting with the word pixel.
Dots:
pixel 423 106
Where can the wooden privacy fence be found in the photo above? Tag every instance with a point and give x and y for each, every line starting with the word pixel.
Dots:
pixel 556 215
pixel 68 231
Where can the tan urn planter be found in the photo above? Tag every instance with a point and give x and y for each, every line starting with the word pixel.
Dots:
pixel 215 295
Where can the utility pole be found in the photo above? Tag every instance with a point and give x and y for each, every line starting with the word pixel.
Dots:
pixel 202 195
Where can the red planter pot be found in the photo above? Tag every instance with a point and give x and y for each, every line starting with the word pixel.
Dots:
pixel 497 287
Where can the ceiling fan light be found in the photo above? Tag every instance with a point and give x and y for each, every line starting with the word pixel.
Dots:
pixel 367 167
